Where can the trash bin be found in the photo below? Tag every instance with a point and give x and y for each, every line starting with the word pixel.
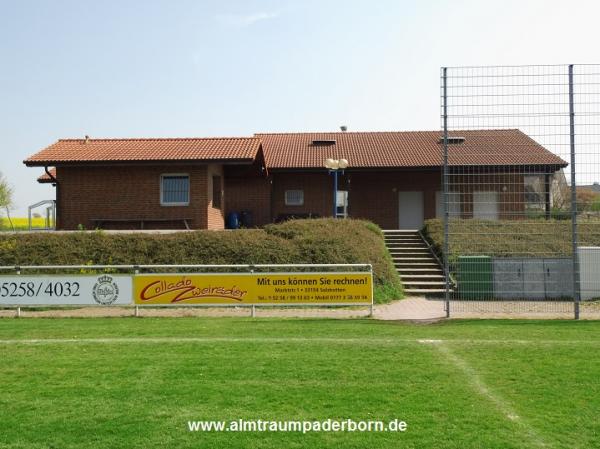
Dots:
pixel 475 277
pixel 233 220
pixel 246 219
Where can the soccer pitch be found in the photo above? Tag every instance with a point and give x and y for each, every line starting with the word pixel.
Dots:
pixel 136 383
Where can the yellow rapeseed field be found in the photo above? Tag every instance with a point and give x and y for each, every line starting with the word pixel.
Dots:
pixel 21 223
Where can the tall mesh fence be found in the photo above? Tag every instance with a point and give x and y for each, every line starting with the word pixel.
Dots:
pixel 521 188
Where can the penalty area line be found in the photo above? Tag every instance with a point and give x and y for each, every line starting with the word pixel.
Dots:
pixel 477 384
pixel 333 340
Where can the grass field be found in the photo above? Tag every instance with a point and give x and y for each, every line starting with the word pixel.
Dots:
pixel 135 383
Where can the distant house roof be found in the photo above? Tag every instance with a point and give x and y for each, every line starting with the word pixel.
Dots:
pixel 404 149
pixel 595 187
pixel 67 151
pixel 45 179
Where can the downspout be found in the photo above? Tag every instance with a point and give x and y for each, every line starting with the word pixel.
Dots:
pixel 52 178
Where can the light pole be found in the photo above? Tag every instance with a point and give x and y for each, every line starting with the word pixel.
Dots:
pixel 335 166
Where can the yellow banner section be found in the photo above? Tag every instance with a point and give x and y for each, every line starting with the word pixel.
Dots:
pixel 254 288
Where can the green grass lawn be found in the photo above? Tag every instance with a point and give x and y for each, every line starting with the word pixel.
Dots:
pixel 135 383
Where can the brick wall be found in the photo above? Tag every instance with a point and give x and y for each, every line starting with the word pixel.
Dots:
pixel 373 195
pixel 252 194
pixel 318 193
pixel 87 193
pixel 509 186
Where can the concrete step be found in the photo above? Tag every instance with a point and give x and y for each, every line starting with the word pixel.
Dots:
pixel 422 270
pixel 410 251
pixel 421 273
pixel 388 231
pixel 403 267
pixel 424 284
pixel 401 245
pixel 402 239
pixel 417 277
pixel 409 259
pixel 425 291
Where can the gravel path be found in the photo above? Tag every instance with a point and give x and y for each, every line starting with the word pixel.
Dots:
pixel 410 309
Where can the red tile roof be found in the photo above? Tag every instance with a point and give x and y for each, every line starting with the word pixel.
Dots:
pixel 45 179
pixel 404 149
pixel 297 150
pixel 122 150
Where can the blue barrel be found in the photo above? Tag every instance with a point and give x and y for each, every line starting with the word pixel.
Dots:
pixel 233 220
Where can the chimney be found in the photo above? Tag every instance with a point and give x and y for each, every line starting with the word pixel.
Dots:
pixel 87 138
pixel 344 128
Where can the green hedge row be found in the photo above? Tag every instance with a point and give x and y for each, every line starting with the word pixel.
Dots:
pixel 512 238
pixel 296 241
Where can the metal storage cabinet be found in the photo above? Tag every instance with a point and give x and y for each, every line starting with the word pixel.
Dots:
pixel 508 278
pixel 589 268
pixel 534 281
pixel 559 278
pixel 475 280
pixel 533 278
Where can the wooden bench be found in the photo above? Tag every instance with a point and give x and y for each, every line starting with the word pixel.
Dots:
pixel 99 221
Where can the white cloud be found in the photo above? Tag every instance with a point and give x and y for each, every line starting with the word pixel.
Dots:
pixel 244 20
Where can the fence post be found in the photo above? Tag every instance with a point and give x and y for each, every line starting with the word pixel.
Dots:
pixel 574 238
pixel 445 193
pixel 136 311
pixel 18 271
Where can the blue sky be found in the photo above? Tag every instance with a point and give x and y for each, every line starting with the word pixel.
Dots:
pixel 212 68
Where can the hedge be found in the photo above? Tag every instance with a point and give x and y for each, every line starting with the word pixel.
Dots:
pixel 295 241
pixel 511 238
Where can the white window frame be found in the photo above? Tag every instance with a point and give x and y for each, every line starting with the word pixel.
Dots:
pixel 300 202
pixel 167 175
pixel 487 216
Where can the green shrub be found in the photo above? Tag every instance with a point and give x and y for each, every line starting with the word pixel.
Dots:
pixel 295 241
pixel 511 238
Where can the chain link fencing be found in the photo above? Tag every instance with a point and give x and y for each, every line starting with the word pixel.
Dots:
pixel 521 174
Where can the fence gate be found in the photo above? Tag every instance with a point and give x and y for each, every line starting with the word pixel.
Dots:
pixel 521 174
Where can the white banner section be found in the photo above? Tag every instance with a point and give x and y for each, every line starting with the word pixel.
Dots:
pixel 84 290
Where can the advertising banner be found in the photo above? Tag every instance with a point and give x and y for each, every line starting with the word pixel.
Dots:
pixel 85 290
pixel 254 288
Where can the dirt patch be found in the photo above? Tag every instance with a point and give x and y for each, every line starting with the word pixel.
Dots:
pixel 98 312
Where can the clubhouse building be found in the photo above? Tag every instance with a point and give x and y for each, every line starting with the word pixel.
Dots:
pixel 393 178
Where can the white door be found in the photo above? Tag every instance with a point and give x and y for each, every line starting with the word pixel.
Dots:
pixel 485 205
pixel 341 206
pixel 410 205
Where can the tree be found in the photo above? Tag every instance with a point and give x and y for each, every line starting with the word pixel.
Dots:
pixel 6 197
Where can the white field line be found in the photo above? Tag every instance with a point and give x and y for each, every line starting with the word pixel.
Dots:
pixel 350 340
pixel 501 404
